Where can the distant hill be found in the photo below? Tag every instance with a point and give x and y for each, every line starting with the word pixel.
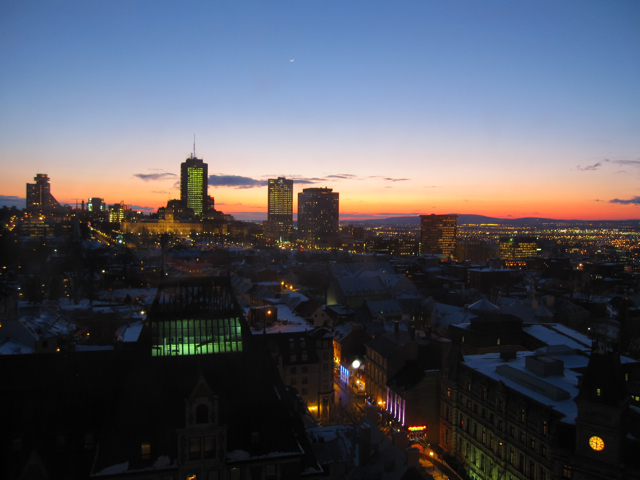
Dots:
pixel 465 219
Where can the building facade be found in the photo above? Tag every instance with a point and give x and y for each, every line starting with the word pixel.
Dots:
pixel 438 234
pixel 518 247
pixel 543 415
pixel 279 224
pixel 318 217
pixel 194 184
pixel 39 196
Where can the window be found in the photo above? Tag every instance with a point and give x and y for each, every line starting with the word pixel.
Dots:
pixel 501 405
pixel 521 463
pixel 270 472
pixel 545 427
pixel 293 370
pixel 325 355
pixel 294 381
pixel 500 425
pixel 304 391
pixel 202 414
pixel 513 431
pixel 522 436
pixel 484 436
pixel 598 392
pixel 304 357
pixel 511 456
pixel 532 469
pixel 325 367
pixel 145 451
pixel 469 385
pixel 498 341
pixel 462 338
pixel 566 471
pixel 304 369
pixel 522 415
pixel 448 392
pixel 543 450
pixel 294 358
pixel 194 448
pixel 533 443
pixel 543 474
pixel 209 447
pixel 484 394
pixel 491 441
pixel 305 380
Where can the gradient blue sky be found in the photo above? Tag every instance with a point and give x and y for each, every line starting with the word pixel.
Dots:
pixel 404 107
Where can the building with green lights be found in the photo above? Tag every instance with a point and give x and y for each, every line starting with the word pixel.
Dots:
pixel 195 316
pixel 194 184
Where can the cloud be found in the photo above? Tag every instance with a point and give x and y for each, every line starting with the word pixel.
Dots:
pixel 595 166
pixel 154 176
pixel 176 185
pixel 12 201
pixel 597 200
pixel 388 179
pixel 143 209
pixel 632 163
pixel 631 201
pixel 235 181
pixel 342 176
pixel 160 191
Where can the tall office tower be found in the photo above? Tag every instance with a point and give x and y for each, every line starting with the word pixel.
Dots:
pixel 39 196
pixel 194 184
pixel 438 234
pixel 95 204
pixel 518 247
pixel 318 217
pixel 279 224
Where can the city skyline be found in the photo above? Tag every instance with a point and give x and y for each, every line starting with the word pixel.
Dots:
pixel 473 108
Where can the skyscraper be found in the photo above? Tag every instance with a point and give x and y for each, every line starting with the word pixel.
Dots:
pixel 279 224
pixel 438 234
pixel 39 196
pixel 318 217
pixel 194 183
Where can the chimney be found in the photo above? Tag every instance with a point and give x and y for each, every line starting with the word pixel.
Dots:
pixel 396 326
pixel 413 457
pixel 364 434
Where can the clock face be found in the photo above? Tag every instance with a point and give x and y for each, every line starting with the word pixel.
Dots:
pixel 596 443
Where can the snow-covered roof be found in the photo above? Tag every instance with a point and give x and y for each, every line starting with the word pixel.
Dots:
pixel 8 346
pixel 129 333
pixel 518 378
pixel 556 334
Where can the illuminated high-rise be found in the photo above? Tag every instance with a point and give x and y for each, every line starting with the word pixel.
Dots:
pixel 39 196
pixel 194 184
pixel 318 217
pixel 438 234
pixel 279 224
pixel 518 247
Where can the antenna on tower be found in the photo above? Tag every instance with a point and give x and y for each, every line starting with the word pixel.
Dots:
pixel 194 145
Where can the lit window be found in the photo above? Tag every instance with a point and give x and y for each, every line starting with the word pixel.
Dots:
pixel 145 451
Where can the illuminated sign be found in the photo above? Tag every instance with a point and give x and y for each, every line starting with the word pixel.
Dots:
pixel 418 429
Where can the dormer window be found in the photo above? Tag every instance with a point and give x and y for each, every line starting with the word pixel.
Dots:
pixel 202 414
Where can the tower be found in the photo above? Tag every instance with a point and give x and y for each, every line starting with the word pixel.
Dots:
pixel 318 216
pixel 279 224
pixel 194 183
pixel 438 234
pixel 39 196
pixel 602 423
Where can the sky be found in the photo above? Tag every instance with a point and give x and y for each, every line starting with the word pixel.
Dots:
pixel 497 108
